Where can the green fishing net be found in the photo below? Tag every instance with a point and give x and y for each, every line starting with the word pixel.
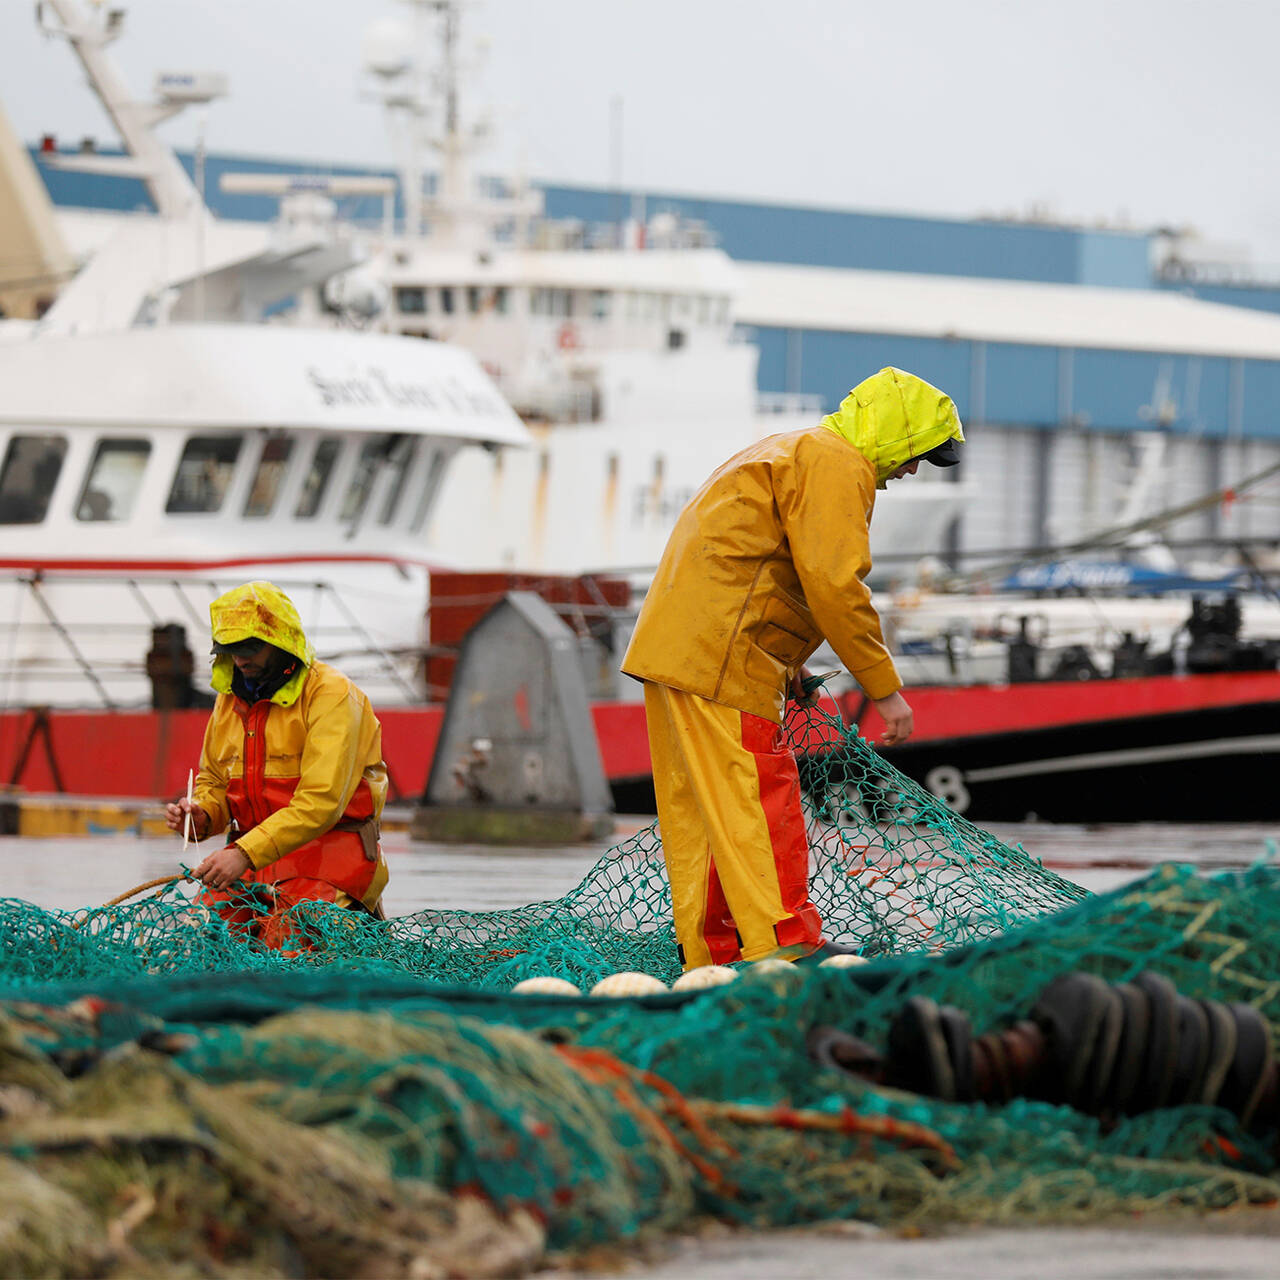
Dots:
pixel 378 1102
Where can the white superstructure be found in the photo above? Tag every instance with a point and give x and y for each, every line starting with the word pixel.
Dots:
pixel 618 343
pixel 159 444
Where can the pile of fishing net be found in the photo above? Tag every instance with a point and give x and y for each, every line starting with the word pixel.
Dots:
pixel 177 1100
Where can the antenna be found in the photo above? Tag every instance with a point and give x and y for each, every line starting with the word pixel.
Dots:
pixel 90 33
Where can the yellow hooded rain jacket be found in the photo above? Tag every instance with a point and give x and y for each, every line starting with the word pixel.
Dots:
pixel 770 555
pixel 301 773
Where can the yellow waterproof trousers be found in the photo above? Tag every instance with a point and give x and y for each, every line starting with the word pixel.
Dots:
pixel 733 830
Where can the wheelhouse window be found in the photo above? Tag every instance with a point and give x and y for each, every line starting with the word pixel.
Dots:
pixel 28 475
pixel 204 473
pixel 400 457
pixel 411 300
pixel 446 299
pixel 272 466
pixel 435 473
pixel 372 457
pixel 115 476
pixel 316 485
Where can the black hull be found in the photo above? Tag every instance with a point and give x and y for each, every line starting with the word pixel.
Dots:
pixel 1218 764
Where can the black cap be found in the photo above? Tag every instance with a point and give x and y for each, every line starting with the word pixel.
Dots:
pixel 947 454
pixel 239 648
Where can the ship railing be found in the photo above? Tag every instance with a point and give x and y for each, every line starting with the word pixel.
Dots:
pixel 83 639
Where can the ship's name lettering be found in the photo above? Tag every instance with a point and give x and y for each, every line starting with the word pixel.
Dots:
pixel 374 388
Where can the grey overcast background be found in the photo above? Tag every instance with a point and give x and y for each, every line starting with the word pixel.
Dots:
pixel 1130 112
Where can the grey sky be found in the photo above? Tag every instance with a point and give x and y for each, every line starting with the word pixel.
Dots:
pixel 1154 111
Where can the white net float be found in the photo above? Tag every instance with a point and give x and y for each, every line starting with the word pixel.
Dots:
pixel 706 975
pixel 546 985
pixel 628 984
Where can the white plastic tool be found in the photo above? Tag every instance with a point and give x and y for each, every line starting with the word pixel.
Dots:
pixel 186 824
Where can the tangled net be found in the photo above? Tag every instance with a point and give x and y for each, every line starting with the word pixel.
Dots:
pixel 176 1099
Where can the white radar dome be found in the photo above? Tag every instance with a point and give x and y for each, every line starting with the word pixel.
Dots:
pixel 358 293
pixel 386 47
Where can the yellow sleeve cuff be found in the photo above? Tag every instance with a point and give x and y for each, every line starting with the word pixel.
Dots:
pixel 880 680
pixel 260 852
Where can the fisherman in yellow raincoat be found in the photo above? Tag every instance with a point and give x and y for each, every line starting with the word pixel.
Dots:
pixel 291 767
pixel 767 559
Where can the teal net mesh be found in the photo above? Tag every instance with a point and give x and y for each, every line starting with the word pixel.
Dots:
pixel 376 1100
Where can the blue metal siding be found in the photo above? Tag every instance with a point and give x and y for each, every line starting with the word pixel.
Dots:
pixel 1261 416
pixel 1021 384
pixel 1120 390
pixel 1114 258
pixel 129 195
pixel 771 370
pixel 1206 395
pixel 751 232
pixel 844 238
pixel 1256 297
pixel 1109 388
pixel 832 363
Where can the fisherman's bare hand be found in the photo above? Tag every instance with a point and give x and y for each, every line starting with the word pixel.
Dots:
pixel 898 720
pixel 174 815
pixel 797 692
pixel 223 868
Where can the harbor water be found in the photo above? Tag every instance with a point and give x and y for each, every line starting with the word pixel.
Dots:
pixel 86 871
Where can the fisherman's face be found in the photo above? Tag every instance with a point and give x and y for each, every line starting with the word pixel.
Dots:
pixel 907 469
pixel 254 666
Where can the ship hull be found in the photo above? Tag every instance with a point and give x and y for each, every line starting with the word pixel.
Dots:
pixel 1210 764
pixel 1195 748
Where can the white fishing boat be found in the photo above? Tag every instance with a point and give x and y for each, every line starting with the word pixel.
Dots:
pixel 157 446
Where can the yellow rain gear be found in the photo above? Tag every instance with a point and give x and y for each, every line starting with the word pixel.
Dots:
pixel 299 773
pixel 768 558
pixel 892 417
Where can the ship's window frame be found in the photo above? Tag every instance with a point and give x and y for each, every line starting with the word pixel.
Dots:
pixel 435 468
pixel 447 299
pixel 232 442
pixel 273 482
pixel 475 299
pixel 407 447
pixel 366 469
pixel 121 500
pixel 416 294
pixel 311 501
pixel 32 506
pixel 501 299
pixel 601 300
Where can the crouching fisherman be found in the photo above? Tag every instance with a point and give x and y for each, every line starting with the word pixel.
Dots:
pixel 292 767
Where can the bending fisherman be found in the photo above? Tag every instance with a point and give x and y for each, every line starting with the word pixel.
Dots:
pixel 292 764
pixel 767 559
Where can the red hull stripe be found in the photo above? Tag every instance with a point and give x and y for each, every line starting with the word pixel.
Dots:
pixel 981 709
pixel 47 565
pixel 147 753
